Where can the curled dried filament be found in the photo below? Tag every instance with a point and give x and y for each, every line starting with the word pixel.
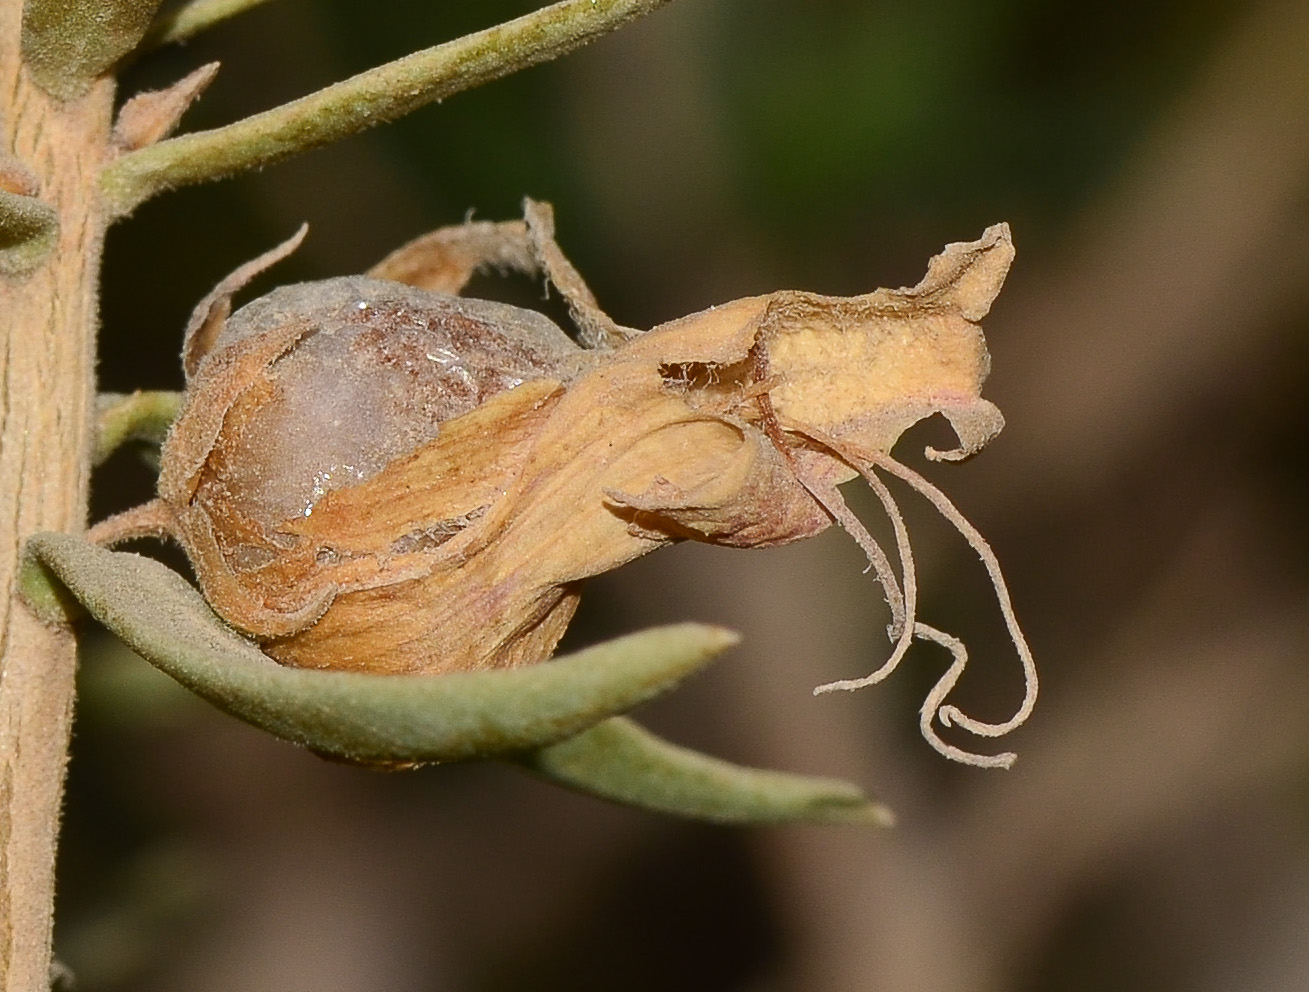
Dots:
pixel 902 597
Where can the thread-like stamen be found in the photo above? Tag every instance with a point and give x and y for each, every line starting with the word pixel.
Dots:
pixel 951 715
pixel 932 704
pixel 934 707
pixel 906 556
pixel 831 500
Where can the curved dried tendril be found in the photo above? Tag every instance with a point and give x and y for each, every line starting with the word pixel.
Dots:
pixel 903 629
pixel 950 715
pixel 152 519
pixel 829 497
pixel 903 603
pixel 932 707
pixel 596 328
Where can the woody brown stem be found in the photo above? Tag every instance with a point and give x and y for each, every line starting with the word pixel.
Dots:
pixel 47 335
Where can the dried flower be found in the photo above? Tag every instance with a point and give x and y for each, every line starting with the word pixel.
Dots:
pixel 371 473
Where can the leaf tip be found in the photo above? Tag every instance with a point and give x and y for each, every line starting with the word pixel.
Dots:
pixel 29 228
pixel 42 592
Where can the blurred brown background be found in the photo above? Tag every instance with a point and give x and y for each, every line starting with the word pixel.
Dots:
pixel 1150 355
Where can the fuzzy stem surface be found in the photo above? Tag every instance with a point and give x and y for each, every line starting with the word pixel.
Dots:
pixel 47 340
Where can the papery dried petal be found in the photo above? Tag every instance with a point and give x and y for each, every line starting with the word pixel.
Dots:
pixel 372 476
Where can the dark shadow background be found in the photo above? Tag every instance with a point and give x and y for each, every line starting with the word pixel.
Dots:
pixel 1149 354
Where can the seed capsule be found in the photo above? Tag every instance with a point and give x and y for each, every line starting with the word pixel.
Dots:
pixel 385 477
pixel 373 370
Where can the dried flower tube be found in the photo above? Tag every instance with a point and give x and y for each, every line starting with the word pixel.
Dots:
pixel 378 475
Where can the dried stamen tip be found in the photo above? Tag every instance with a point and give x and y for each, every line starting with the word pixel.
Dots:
pixel 932 704
pixel 904 609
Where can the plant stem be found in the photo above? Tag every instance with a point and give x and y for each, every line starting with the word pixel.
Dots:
pixel 366 100
pixel 47 337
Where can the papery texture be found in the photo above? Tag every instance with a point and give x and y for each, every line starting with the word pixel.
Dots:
pixel 371 476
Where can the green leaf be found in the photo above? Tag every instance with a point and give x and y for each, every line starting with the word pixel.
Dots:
pixel 28 229
pixel 372 719
pixel 68 43
pixel 555 718
pixel 145 415
pixel 45 595
pixel 363 101
pixel 619 760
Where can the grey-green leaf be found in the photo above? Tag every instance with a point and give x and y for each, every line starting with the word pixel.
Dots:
pixel 373 97
pixel 621 761
pixel 373 719
pixel 28 229
pixel 68 43
pixel 145 415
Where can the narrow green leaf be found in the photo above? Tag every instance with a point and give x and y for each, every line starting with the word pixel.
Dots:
pixel 619 760
pixel 372 719
pixel 363 101
pixel 144 415
pixel 68 43
pixel 28 229
pixel 45 595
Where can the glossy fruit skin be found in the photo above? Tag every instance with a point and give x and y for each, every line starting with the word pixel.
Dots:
pixel 377 369
pixel 318 389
